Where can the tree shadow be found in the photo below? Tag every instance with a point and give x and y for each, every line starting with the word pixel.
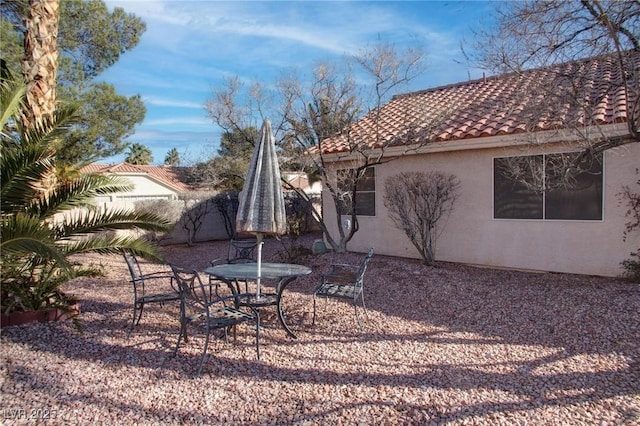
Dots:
pixel 452 309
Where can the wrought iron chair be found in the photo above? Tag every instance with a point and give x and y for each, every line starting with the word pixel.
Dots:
pixel 241 250
pixel 199 306
pixel 145 289
pixel 344 282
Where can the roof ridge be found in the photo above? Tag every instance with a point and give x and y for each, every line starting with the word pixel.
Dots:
pixel 502 104
pixel 505 75
pixel 166 175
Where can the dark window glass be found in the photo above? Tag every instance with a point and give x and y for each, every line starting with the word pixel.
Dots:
pixel 513 199
pixel 365 192
pixel 366 204
pixel 580 199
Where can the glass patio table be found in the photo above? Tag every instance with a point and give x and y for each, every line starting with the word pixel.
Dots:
pixel 284 273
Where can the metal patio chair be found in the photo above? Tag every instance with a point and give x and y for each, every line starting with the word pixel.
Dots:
pixel 240 250
pixel 157 287
pixel 201 307
pixel 344 281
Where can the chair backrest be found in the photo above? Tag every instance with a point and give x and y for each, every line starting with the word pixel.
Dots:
pixel 363 266
pixel 133 265
pixel 192 290
pixel 242 250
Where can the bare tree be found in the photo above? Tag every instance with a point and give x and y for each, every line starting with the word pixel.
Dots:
pixel 532 34
pixel 418 203
pixel 227 205
pixel 631 200
pixel 197 205
pixel 309 114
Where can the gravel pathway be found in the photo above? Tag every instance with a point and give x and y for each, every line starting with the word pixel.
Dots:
pixel 449 345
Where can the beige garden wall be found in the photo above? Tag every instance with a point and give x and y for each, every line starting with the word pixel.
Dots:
pixel 473 236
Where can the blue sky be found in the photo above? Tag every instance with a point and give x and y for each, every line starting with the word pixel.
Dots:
pixel 190 47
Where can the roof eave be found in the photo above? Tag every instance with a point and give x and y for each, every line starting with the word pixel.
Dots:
pixel 488 142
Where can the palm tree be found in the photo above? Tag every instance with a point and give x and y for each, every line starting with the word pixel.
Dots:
pixel 172 158
pixel 40 63
pixel 139 154
pixel 43 224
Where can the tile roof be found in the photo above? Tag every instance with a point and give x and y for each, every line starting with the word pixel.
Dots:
pixel 167 175
pixel 499 105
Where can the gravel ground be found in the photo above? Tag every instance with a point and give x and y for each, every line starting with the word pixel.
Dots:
pixel 448 345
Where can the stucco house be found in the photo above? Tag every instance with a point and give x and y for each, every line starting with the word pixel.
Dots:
pixel 166 183
pixel 149 183
pixel 473 129
pixel 155 183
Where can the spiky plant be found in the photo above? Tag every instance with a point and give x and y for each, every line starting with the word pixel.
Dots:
pixel 47 218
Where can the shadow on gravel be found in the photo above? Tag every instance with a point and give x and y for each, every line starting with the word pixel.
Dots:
pixel 452 306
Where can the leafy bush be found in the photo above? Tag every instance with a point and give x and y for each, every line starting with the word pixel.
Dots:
pixel 169 210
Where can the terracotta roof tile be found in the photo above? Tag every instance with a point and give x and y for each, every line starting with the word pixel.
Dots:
pixel 500 105
pixel 165 174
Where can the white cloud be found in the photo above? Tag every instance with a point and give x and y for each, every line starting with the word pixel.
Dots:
pixel 190 45
pixel 180 121
pixel 333 27
pixel 171 102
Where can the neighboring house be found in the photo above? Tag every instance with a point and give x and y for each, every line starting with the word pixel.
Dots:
pixel 164 183
pixel 300 180
pixel 149 183
pixel 155 183
pixel 483 124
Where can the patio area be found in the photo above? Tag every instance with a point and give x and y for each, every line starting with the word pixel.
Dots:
pixel 454 344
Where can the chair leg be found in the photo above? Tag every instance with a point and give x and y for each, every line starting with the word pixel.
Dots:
pixel 204 353
pixel 313 322
pixel 364 308
pixel 182 332
pixel 135 310
pixel 363 305
pixel 140 308
pixel 355 308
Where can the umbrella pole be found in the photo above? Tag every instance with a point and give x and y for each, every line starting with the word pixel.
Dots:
pixel 259 236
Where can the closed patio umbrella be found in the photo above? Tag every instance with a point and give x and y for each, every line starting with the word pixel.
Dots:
pixel 261 209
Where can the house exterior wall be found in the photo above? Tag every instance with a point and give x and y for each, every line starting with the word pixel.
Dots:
pixel 149 189
pixel 144 188
pixel 473 236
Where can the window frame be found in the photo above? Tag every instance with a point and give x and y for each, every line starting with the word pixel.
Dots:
pixel 591 198
pixel 366 208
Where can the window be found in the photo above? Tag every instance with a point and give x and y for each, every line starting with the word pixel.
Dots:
pixel 528 188
pixel 365 204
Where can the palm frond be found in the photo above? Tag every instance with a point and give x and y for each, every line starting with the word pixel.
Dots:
pixel 83 222
pixel 115 245
pixel 78 192
pixel 11 97
pixel 24 235
pixel 22 174
pixel 50 130
pixel 35 244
